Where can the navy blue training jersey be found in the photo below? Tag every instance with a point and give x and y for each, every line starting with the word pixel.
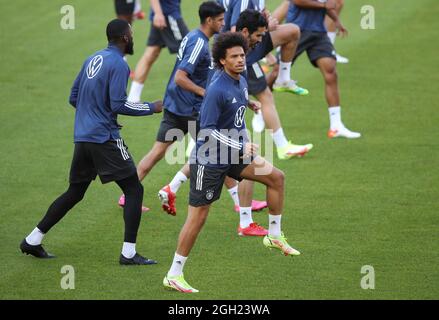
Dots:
pixel 99 94
pixel 222 120
pixel 307 19
pixel 170 8
pixel 235 7
pixel 194 58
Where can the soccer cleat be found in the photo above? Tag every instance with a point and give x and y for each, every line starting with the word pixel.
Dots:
pixel 140 15
pixel 122 203
pixel 281 244
pixel 292 150
pixel 167 198
pixel 136 260
pixel 253 229
pixel 341 59
pixel 256 205
pixel 178 283
pixel 258 123
pixel 343 132
pixel 290 86
pixel 36 251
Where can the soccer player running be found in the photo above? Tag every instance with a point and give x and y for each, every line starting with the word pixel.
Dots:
pixel 223 150
pixel 99 95
pixel 167 30
pixel 309 15
pixel 183 97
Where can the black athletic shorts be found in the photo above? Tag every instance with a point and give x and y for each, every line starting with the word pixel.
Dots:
pixel 170 36
pixel 174 127
pixel 316 44
pixel 255 75
pixel 110 160
pixel 256 79
pixel 124 7
pixel 207 182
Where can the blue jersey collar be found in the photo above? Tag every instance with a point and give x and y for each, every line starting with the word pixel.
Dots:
pixel 113 47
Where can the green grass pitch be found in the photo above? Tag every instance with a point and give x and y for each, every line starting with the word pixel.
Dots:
pixel 373 201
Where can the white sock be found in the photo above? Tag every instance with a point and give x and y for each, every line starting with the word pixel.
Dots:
pixel 245 216
pixel 234 194
pixel 284 72
pixel 274 225
pixel 129 250
pixel 335 117
pixel 279 138
pixel 178 180
pixel 137 6
pixel 177 265
pixel 135 92
pixel 332 36
pixel 35 237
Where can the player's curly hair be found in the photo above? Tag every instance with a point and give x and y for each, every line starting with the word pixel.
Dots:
pixel 226 41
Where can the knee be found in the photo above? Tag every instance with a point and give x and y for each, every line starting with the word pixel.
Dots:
pixel 278 179
pixel 151 56
pixel 331 75
pixel 294 31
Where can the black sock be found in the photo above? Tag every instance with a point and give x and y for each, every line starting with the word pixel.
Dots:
pixel 132 211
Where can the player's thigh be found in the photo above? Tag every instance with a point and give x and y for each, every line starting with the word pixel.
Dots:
pixel 262 171
pixel 284 33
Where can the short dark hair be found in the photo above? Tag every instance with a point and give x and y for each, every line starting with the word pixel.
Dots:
pixel 209 9
pixel 116 29
pixel 252 20
pixel 226 41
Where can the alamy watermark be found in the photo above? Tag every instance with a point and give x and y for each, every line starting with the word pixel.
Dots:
pixel 68 19
pixel 68 281
pixel 368 281
pixel 368 17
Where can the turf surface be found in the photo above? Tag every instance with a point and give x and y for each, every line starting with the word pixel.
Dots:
pixel 372 201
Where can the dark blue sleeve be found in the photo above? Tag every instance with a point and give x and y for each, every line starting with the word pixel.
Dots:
pixel 75 88
pixel 118 97
pixel 235 10
pixel 191 54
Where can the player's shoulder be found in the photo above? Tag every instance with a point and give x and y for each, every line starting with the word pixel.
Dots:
pixel 196 37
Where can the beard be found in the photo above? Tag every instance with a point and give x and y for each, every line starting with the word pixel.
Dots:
pixel 129 49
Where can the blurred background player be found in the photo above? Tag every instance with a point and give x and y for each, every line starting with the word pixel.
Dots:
pixel 129 10
pixel 332 29
pixel 309 15
pixel 167 30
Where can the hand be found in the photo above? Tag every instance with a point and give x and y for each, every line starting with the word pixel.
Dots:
pixel 250 149
pixel 158 106
pixel 159 21
pixel 331 5
pixel 273 23
pixel 254 105
pixel 341 30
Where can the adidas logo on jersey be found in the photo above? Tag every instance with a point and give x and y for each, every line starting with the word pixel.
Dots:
pixel 234 100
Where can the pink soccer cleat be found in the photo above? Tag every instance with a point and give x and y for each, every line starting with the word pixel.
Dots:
pixel 256 205
pixel 253 229
pixel 122 203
